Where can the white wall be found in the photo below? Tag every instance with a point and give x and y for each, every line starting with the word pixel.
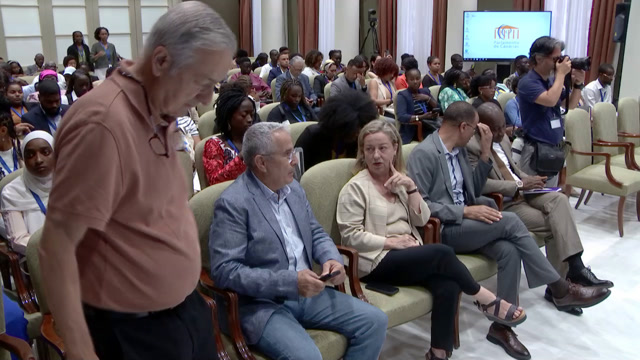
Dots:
pixel 455 11
pixel 347 20
pixel 630 75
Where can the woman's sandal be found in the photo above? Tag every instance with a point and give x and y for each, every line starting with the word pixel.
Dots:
pixel 508 320
pixel 431 356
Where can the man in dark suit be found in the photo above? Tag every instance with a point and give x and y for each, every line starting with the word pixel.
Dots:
pixel 283 65
pixel 263 244
pixel 296 65
pixel 471 223
pixel 47 116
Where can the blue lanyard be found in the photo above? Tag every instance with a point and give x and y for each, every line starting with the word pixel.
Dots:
pixel 233 146
pixel 15 162
pixel 52 124
pixel 602 95
pixel 40 203
pixel 423 107
pixel 106 51
pixel 459 94
pixel 304 119
pixel 388 86
pixel 436 79
pixel 21 112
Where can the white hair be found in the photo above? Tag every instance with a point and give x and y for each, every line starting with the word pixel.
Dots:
pixel 187 27
pixel 258 140
pixel 296 59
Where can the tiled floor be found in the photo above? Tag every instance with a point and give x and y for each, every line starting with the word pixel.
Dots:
pixel 610 330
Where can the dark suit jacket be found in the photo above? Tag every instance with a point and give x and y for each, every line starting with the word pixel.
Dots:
pixel 317 145
pixel 427 81
pixel 405 111
pixel 428 168
pixel 248 253
pixel 274 73
pixel 38 118
pixel 73 51
pixel 496 182
pixel 304 80
pixel 319 83
pixel 281 114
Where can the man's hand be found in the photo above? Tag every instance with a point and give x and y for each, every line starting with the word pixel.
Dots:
pixel 400 242
pixel 486 139
pixel 332 266
pixel 577 76
pixel 533 182
pixel 309 284
pixel 563 67
pixel 360 79
pixel 482 213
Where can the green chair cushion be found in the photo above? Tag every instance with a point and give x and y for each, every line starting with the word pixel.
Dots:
pixel 479 266
pixel 593 178
pixel 410 303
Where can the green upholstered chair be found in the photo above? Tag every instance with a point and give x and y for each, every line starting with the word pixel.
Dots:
pixel 231 72
pixel 435 90
pixel 504 98
pixel 265 78
pixel 629 121
pixel 332 345
pixel 203 108
pixel 296 129
pixel 199 152
pixel 273 89
pixel 207 124
pixel 599 177
pixel 265 110
pixel 258 70
pixel 605 137
pixel 186 166
pixel 327 91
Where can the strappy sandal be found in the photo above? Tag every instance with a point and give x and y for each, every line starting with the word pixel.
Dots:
pixel 431 356
pixel 508 320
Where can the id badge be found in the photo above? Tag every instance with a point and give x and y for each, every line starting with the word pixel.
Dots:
pixel 555 123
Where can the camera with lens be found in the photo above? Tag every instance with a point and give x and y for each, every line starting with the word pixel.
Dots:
pixel 578 63
pixel 372 19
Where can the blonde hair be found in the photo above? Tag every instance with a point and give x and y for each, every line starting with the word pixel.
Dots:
pixel 386 128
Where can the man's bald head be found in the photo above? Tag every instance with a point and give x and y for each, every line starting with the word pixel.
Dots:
pixel 491 115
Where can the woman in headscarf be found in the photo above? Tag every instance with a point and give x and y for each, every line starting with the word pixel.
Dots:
pixel 23 201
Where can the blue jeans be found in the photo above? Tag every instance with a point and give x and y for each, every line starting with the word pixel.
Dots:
pixel 364 326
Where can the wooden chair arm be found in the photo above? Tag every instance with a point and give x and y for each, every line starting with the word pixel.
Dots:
pixel 629 135
pixel 233 315
pixel 432 231
pixel 418 124
pixel 222 353
pixel 16 346
pixel 24 295
pixel 48 332
pixel 352 272
pixel 629 152
pixel 498 198
pixel 607 165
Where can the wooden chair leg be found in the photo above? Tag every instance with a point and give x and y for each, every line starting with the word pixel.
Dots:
pixel 588 197
pixel 621 215
pixel 580 198
pixel 638 205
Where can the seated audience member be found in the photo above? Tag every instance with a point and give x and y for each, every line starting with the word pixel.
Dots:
pixel 79 50
pixel 79 84
pixel 51 65
pixel 371 74
pixel 262 89
pixel 293 108
pixel 31 92
pixel 390 248
pixel 407 64
pixel 235 113
pixel 483 88
pixel 266 68
pixel 500 88
pixel 335 136
pixel 245 82
pixel 16 69
pixel 433 76
pixel 69 61
pixel 415 104
pixel 240 53
pixel 295 73
pixel 456 64
pixel 549 212
pixel 320 81
pixel 512 108
pixel 454 88
pixel 68 71
pixel 10 155
pixel 353 78
pixel 283 66
pixel 336 56
pixel 521 64
pixel 261 60
pixel 24 200
pixel 188 127
pixel 87 70
pixel 599 90
pixel 473 224
pixel 36 67
pixel 47 116
pixel 382 88
pixel 16 101
pixel 312 62
pixel 279 293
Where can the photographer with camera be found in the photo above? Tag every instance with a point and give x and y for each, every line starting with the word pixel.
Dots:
pixel 540 94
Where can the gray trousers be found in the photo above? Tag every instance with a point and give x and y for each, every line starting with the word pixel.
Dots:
pixel 507 242
pixel 525 164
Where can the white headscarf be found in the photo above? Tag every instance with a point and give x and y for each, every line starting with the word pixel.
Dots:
pixel 17 195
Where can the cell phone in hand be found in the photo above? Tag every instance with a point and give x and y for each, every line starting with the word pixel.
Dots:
pixel 326 277
pixel 382 288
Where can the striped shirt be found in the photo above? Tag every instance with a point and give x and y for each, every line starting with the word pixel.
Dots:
pixel 187 126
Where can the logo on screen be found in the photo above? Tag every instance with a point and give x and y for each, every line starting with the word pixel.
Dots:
pixel 506 32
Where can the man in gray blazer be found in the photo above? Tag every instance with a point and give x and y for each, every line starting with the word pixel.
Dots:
pixel 263 242
pixel 295 72
pixel 353 78
pixel 471 223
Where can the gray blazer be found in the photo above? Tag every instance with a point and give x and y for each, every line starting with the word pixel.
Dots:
pixel 248 251
pixel 428 168
pixel 496 182
pixel 306 87
pixel 341 85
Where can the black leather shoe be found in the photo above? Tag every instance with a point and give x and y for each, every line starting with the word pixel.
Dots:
pixel 507 339
pixel 586 277
pixel 573 311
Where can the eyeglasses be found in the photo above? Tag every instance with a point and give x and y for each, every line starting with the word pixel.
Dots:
pixel 158 146
pixel 294 154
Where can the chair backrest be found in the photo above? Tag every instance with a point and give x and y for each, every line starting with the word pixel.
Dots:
pixel 406 151
pixel 258 70
pixel 605 127
pixel 199 152
pixel 504 98
pixel 28 78
pixel 327 91
pixel 202 206
pixel 629 118
pixel 203 108
pixel 252 58
pixel 231 72
pixel 578 133
pixel 265 77
pixel 265 110
pixel 206 124
pixel 297 128
pixel 187 168
pixel 33 263
pixel 323 183
pixel 311 80
pixel 435 91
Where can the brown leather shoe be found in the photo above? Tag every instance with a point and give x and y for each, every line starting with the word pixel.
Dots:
pixel 581 296
pixel 505 337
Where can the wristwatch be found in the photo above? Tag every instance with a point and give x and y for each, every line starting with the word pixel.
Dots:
pixel 578 86
pixel 520 184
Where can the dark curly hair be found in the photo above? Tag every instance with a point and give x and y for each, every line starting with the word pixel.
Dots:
pixel 229 101
pixel 96 34
pixel 452 77
pixel 346 114
pixel 386 66
pixel 6 119
pixel 65 61
pixel 288 85
pixel 74 78
pixel 479 81
pixel 312 58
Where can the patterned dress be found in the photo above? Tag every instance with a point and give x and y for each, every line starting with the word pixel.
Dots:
pixel 221 161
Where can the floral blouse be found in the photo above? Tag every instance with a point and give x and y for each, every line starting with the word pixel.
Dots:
pixel 221 161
